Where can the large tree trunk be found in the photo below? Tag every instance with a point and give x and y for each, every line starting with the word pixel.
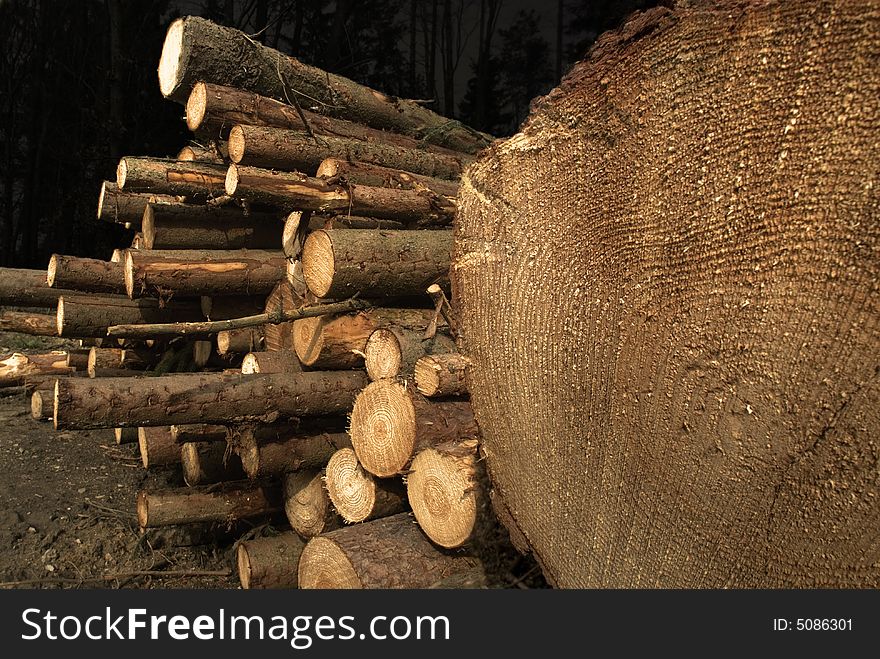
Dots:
pixel 86 275
pixel 694 400
pixel 193 226
pixel 27 288
pixel 196 49
pixel 202 398
pixel 91 315
pixel 36 324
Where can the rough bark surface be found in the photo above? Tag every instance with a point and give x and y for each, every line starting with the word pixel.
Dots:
pixel 356 494
pixel 91 315
pixel 37 324
pixel 193 226
pixel 114 205
pixel 87 275
pixel 233 501
pixel 170 177
pixel 269 562
pixel 668 287
pixel 27 288
pixel 384 177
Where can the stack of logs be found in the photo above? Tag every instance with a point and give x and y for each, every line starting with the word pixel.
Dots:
pixel 279 326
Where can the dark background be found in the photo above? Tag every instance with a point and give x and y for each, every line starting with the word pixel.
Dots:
pixel 78 86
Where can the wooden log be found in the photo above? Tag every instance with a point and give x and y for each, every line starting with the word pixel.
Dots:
pixel 17 367
pixel 196 49
pixel 269 562
pixel 23 322
pixel 193 152
pixel 223 307
pixel 294 191
pixel 42 404
pixel 114 205
pixel 339 264
pixel 209 462
pixel 137 359
pixel 137 242
pixel 20 287
pixel 101 359
pixel 339 341
pixel 226 504
pixel 390 423
pixel 444 488
pixel 284 361
pixel 356 495
pixel 198 432
pixel 357 557
pixel 32 383
pixel 202 398
pixel 86 275
pixel 307 504
pixel 277 148
pixel 442 375
pixel 241 341
pixel 202 352
pixel 78 358
pixel 196 226
pixel 279 336
pixel 233 272
pixel 394 351
pixel 157 446
pixel 375 175
pixel 290 450
pixel 91 315
pixel 170 177
pixel 122 435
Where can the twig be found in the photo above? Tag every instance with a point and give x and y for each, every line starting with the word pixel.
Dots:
pixel 442 307
pixel 108 509
pixel 212 327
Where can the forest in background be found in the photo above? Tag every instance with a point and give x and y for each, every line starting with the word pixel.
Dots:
pixel 78 85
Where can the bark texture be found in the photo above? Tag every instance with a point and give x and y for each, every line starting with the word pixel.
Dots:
pixel 269 562
pixel 232 502
pixel 114 205
pixel 87 275
pixel 157 447
pixel 683 244
pixel 193 226
pixel 37 324
pixel 27 288
pixel 293 450
pixel 170 177
pixel 378 176
pixel 394 351
pixel 91 315
pixel 442 375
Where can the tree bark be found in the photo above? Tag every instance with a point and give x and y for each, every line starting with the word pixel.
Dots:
pixel 86 275
pixel 137 359
pixel 393 352
pixel 198 432
pixel 234 501
pixel 390 423
pixel 27 288
pixel 102 359
pixel 196 49
pixel 339 264
pixel 307 504
pixel 277 148
pixel 231 306
pixel 291 191
pixel 16 368
pixel 375 175
pixel 78 358
pixel 337 342
pixel 202 398
pixel 199 153
pixel 439 375
pixel 209 462
pixel 356 495
pixel 36 324
pixel 91 315
pixel 196 272
pixel 193 226
pixel 122 435
pixel 269 562
pixel 114 205
pixel 284 361
pixel 240 341
pixel 157 446
pixel 357 557
pixel 170 177
pixel 296 449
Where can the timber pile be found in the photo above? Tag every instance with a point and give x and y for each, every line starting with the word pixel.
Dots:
pixel 278 283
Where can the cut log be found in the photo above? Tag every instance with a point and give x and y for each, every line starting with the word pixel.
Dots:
pixel 86 275
pixel 270 562
pixel 194 226
pixel 137 242
pixel 358 557
pixel 196 49
pixel 32 383
pixel 209 462
pixel 445 491
pixel 294 191
pixel 17 368
pixel 198 432
pixel 336 342
pixel 283 298
pixel 198 153
pixel 91 315
pixel 122 435
pixel 442 375
pixel 114 205
pixel 227 504
pixel 356 495
pixel 241 341
pixel 339 264
pixel 277 148
pixel 138 359
pixel 157 446
pixel 232 306
pixel 390 423
pixel 202 398
pixel 394 351
pixel 292 450
pixel 42 404
pixel 375 175
pixel 233 272
pixel 101 359
pixel 27 288
pixel 78 358
pixel 284 361
pixel 170 177
pixel 202 351
pixel 307 504
pixel 35 324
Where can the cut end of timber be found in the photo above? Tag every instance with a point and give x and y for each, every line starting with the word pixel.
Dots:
pixel 51 270
pixel 128 274
pixel 306 502
pixel 291 238
pixel 143 509
pixel 59 317
pixel 318 261
pixel 101 198
pixel 195 105
pixel 121 173
pixel 145 453
pixel 382 355
pixel 231 182
pixel 441 492
pixel 118 256
pixel 250 365
pixel 236 144
pixel 383 428
pixel 427 376
pixel 37 406
pixel 328 168
pixel 244 565
pixel 55 405
pixel 323 564
pixel 148 227
pixel 351 489
pixel 169 62
pixel 190 460
pixel 249 454
pixel 308 339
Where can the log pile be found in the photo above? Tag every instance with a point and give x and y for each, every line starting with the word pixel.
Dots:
pixel 277 286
